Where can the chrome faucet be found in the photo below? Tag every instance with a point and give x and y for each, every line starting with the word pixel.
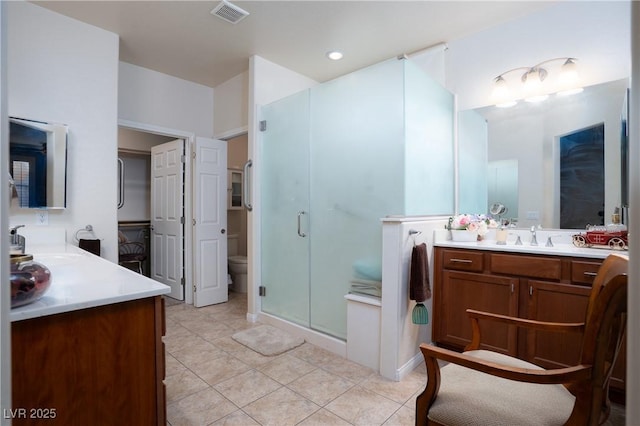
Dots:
pixel 534 241
pixel 16 240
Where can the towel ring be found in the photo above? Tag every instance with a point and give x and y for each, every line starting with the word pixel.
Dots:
pixel 88 229
pixel 413 233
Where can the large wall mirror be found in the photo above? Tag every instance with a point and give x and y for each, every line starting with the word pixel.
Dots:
pixel 530 169
pixel 38 163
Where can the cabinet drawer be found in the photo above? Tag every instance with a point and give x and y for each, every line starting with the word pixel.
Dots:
pixel 463 260
pixel 527 266
pixel 584 272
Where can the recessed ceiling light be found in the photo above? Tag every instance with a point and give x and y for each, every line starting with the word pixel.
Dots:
pixel 334 55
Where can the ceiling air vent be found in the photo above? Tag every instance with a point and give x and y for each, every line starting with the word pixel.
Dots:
pixel 229 12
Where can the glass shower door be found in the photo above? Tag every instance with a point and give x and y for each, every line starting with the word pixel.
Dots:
pixel 356 179
pixel 284 181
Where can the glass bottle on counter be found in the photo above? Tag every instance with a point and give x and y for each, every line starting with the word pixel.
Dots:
pixel 29 280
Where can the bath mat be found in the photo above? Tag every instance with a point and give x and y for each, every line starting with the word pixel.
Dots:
pixel 267 340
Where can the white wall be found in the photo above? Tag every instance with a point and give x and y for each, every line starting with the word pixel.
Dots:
pixel 268 82
pixel 230 106
pixel 152 98
pixel 66 71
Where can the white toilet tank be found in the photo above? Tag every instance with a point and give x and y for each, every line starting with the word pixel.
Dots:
pixel 232 245
pixel 237 265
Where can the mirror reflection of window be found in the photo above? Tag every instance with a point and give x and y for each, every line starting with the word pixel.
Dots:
pixel 582 178
pixel 21 180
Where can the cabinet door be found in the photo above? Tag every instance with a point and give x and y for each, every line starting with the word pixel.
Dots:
pixel 94 366
pixel 559 303
pixel 461 291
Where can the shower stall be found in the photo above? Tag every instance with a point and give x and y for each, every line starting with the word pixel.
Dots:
pixel 336 159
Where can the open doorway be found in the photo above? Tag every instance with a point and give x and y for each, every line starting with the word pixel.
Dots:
pixel 136 217
pixel 194 258
pixel 237 156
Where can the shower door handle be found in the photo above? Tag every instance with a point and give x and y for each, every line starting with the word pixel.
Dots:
pixel 245 187
pixel 300 233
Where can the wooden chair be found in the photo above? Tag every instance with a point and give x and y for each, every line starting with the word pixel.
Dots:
pixel 483 387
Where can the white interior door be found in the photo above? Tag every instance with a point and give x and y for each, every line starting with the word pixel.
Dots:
pixel 167 215
pixel 210 222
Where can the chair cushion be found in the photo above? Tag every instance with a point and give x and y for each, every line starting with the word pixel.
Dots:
pixel 469 397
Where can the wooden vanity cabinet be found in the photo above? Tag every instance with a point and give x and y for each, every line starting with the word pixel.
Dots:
pixel 542 287
pixel 485 293
pixel 555 302
pixel 96 366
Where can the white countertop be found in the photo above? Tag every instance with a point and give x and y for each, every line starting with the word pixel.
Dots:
pixel 558 250
pixel 562 240
pixel 82 280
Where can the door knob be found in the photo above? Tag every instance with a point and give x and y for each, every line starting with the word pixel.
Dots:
pixel 222 231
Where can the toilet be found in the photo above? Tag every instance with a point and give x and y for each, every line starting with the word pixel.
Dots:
pixel 237 265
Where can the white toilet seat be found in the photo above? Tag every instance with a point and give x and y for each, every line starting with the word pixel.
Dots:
pixel 237 259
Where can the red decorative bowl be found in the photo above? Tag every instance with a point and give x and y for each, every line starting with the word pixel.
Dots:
pixel 29 279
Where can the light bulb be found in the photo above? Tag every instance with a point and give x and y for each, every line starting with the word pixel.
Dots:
pixel 569 71
pixel 568 79
pixel 532 79
pixel 500 96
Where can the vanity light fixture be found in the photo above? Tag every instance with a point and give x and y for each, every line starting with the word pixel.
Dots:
pixel 532 86
pixel 334 55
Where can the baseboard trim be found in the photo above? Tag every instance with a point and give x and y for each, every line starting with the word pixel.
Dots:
pixel 409 366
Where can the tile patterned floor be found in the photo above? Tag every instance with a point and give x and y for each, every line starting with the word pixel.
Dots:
pixel 213 380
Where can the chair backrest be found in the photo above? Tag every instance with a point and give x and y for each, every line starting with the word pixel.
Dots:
pixel 614 264
pixel 605 327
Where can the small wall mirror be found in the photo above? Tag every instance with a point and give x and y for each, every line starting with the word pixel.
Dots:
pixel 38 163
